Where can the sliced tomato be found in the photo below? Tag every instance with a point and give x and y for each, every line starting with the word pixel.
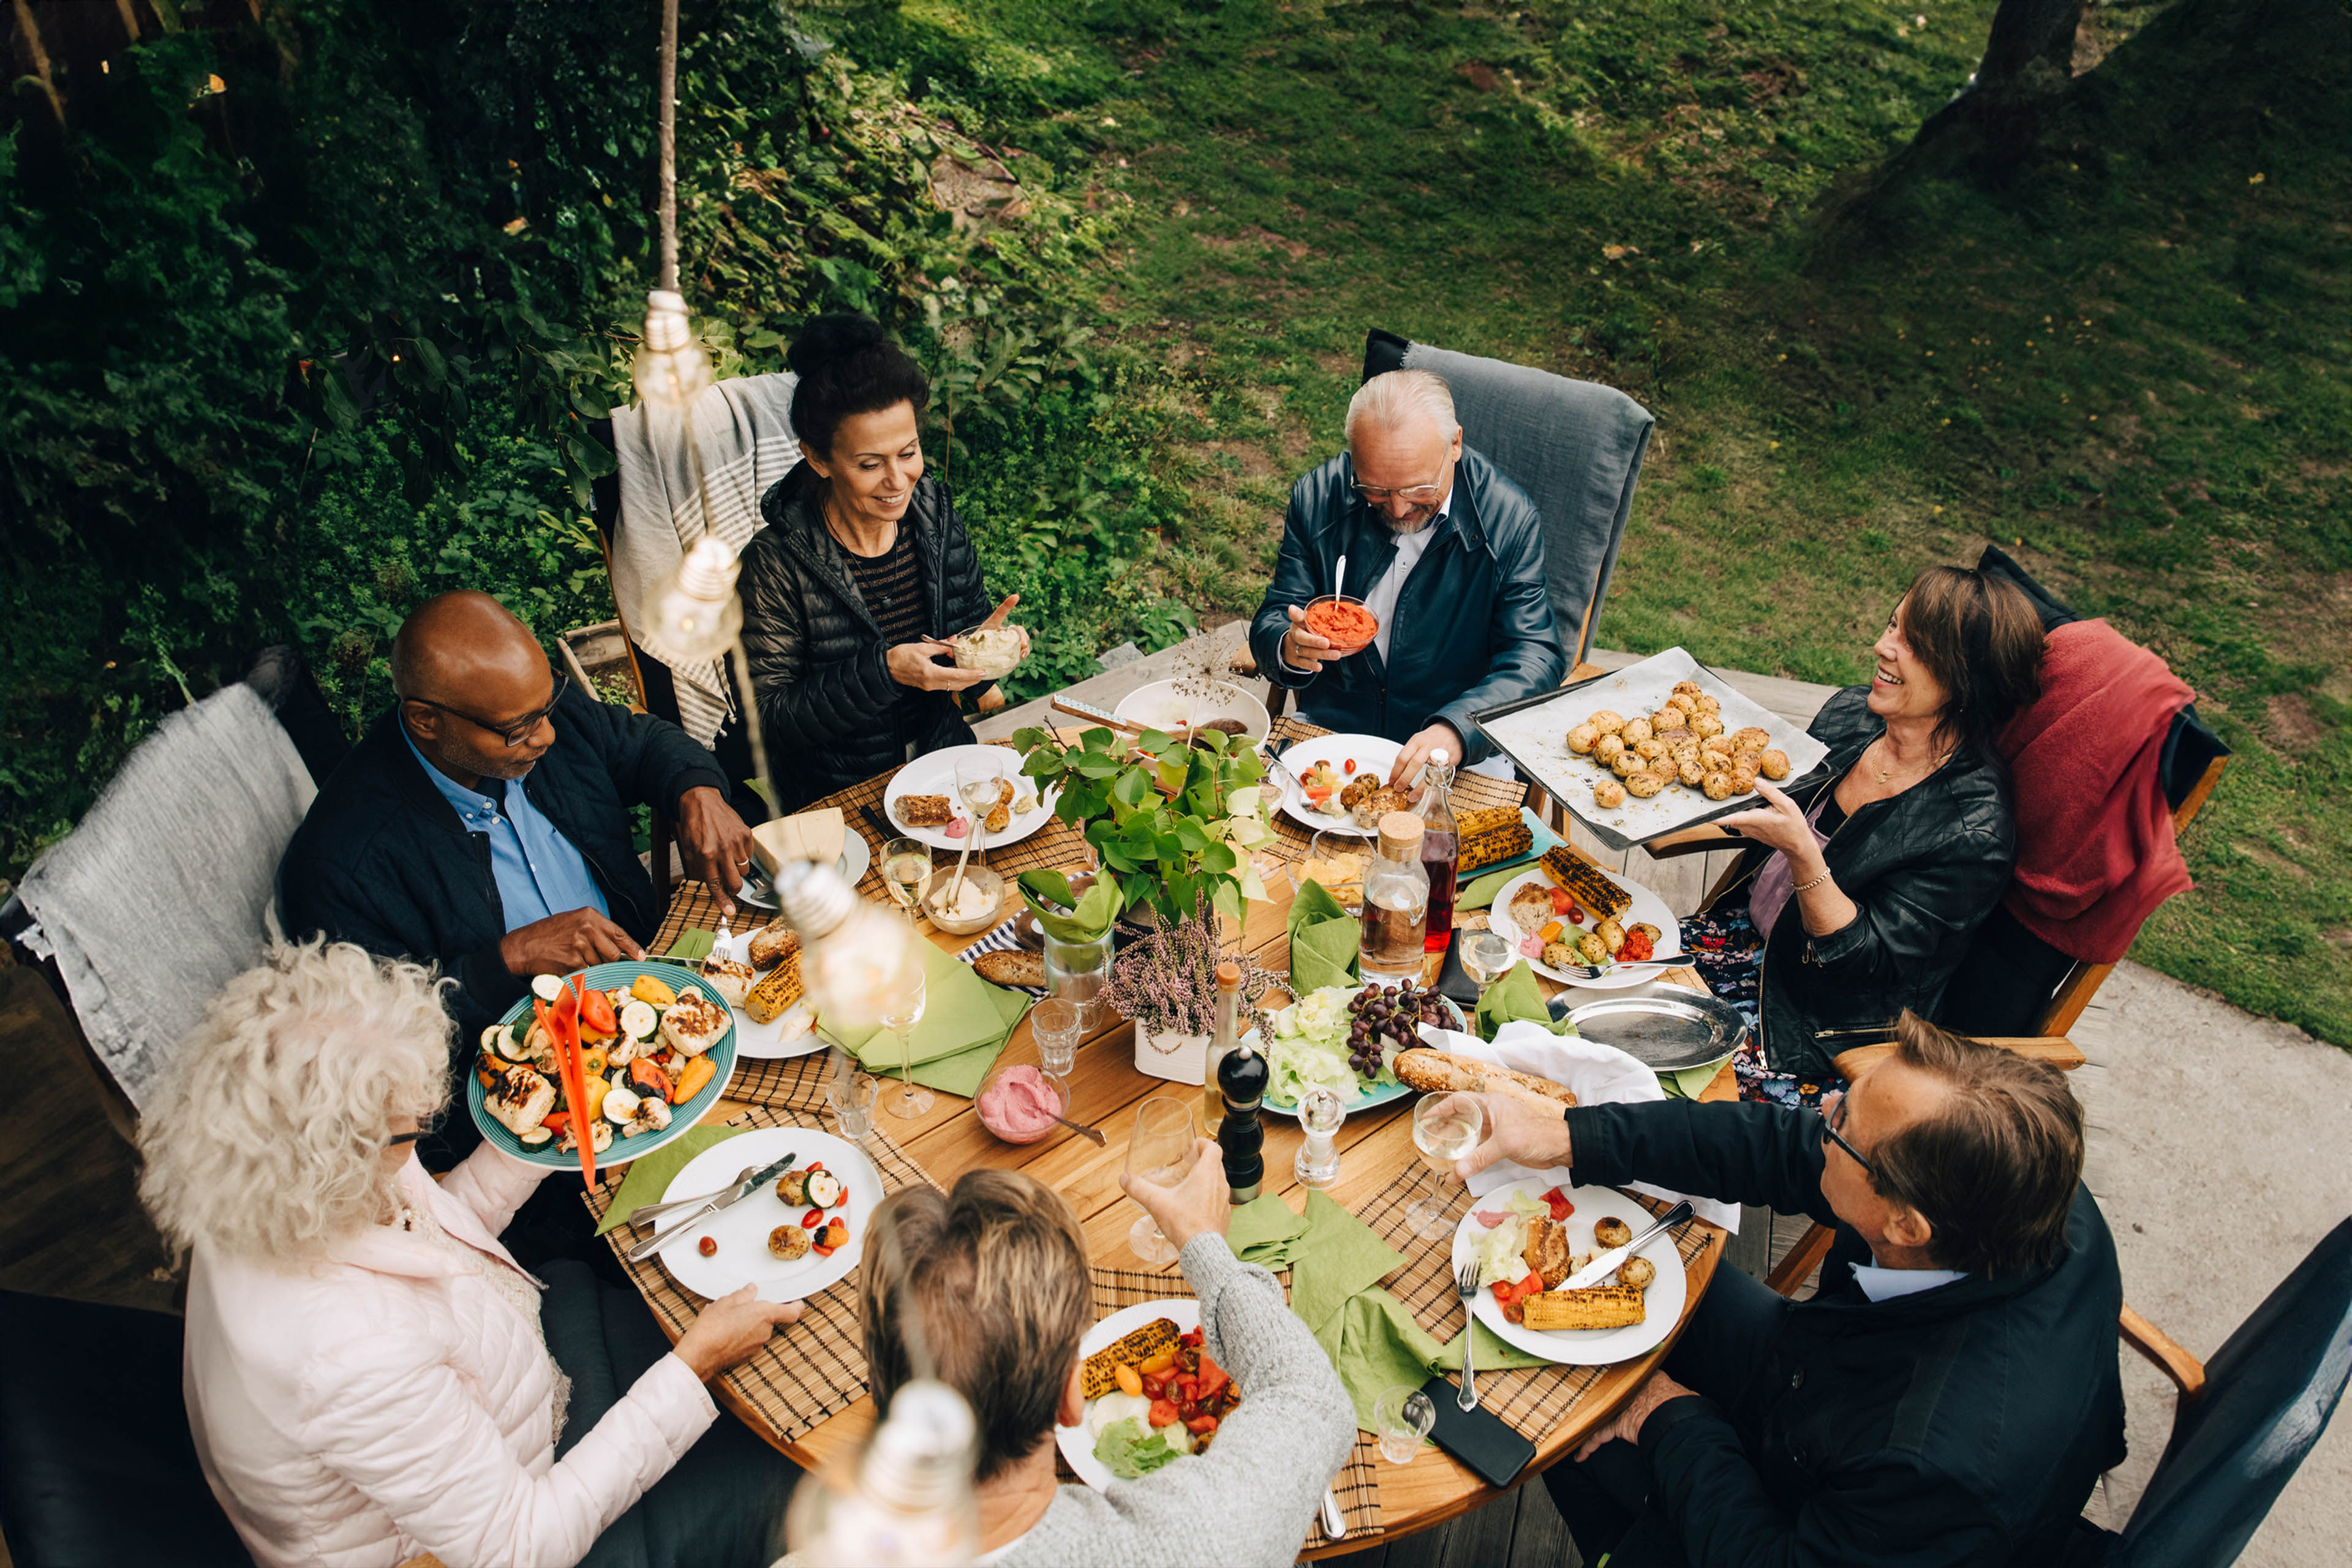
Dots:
pixel 1560 1207
pixel 814 1165
pixel 596 1012
pixel 1214 1379
pixel 1560 902
pixel 559 1120
pixel 1163 1414
pixel 1155 1384
pixel 1637 947
pixel 1201 1425
pixel 1192 1337
pixel 821 1249
pixel 1187 1390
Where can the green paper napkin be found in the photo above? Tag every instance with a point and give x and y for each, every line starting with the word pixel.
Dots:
pixel 692 946
pixel 650 1175
pixel 1339 1257
pixel 961 1013
pixel 958 1073
pixel 1324 940
pixel 1494 1354
pixel 1375 1345
pixel 1516 996
pixel 1263 1231
pixel 1691 1082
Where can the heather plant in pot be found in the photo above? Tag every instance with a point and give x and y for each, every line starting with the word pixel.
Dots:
pixel 1166 984
pixel 1173 824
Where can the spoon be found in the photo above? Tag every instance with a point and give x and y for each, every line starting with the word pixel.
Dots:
pixel 1090 1134
pixel 1340 579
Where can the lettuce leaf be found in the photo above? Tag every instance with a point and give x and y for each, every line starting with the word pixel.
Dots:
pixel 1127 1450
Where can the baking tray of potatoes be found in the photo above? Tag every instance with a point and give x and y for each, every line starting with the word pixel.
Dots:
pixel 1651 749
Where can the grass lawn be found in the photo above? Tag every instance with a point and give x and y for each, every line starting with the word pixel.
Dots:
pixel 2128 367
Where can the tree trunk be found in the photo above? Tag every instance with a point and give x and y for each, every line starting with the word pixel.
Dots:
pixel 2028 63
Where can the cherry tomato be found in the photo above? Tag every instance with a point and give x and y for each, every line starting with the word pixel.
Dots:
pixel 1350 764
pixel 822 1250
pixel 813 1220
pixel 707 1246
pixel 1155 1384
pixel 816 1164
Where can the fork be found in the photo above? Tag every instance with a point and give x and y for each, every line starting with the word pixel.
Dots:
pixel 1466 1281
pixel 647 1214
pixel 1595 970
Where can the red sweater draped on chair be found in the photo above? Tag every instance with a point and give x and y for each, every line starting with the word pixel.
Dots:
pixel 2096 850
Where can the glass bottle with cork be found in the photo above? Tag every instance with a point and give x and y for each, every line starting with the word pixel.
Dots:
pixel 1223 1031
pixel 1440 848
pixel 1395 922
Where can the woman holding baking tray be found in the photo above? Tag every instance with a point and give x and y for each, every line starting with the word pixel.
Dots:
pixel 1857 895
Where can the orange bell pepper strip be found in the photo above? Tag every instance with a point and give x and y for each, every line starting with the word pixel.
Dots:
pixel 575 1081
pixel 577 1068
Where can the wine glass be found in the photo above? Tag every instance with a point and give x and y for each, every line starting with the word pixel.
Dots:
pixel 906 871
pixel 1160 1152
pixel 901 1012
pixel 1487 957
pixel 1445 1127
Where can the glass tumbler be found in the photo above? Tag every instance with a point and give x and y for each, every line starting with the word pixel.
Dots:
pixel 1055 1024
pixel 1402 1417
pixel 1077 972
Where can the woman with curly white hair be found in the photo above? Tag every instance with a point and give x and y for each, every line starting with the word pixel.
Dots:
pixel 370 1375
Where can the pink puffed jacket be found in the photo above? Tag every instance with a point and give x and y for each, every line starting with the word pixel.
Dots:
pixel 387 1403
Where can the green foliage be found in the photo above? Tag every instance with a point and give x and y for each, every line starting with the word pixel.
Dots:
pixel 279 360
pixel 1157 820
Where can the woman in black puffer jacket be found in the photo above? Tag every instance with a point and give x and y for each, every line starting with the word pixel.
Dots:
pixel 862 570
pixel 1866 878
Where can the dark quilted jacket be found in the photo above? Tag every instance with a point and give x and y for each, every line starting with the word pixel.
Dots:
pixel 818 666
pixel 1924 868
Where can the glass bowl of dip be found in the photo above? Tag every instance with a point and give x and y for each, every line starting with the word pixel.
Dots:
pixel 1013 1098
pixel 977 906
pixel 993 651
pixel 1342 620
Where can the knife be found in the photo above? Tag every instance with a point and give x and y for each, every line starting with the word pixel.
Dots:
pixel 660 1240
pixel 883 825
pixel 1601 1268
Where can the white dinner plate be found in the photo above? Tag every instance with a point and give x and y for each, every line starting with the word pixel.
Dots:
pixel 934 773
pixel 1646 905
pixel 1663 1307
pixel 793 1033
pixel 1369 752
pixel 1077 1444
pixel 742 1229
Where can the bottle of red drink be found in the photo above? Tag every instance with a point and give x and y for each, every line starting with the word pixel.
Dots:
pixel 1440 843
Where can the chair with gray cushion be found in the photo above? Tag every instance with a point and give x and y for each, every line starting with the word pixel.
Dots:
pixel 1575 446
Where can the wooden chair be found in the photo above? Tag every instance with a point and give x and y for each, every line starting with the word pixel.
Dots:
pixel 1575 446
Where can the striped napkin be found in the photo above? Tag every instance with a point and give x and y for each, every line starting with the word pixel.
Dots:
pixel 1000 940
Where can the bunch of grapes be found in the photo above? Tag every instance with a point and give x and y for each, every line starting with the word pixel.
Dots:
pixel 1378 1016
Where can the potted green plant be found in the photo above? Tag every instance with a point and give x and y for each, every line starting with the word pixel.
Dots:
pixel 1172 824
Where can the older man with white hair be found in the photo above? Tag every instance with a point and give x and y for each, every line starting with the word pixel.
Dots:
pixel 1447 554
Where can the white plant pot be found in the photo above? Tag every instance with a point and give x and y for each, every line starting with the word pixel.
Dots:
pixel 1179 1058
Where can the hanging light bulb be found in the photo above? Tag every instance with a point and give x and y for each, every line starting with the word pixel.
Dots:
pixel 670 368
pixel 907 1501
pixel 692 615
pixel 855 955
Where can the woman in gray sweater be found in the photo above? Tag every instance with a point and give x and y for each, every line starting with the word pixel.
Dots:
pixel 997 1270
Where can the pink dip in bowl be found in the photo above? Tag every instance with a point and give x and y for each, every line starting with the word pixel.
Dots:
pixel 1019 1104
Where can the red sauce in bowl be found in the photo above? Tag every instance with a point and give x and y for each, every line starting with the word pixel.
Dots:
pixel 1341 622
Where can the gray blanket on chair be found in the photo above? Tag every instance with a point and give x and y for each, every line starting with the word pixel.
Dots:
pixel 161 895
pixel 743 434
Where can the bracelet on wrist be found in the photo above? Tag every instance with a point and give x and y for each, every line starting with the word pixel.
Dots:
pixel 1809 887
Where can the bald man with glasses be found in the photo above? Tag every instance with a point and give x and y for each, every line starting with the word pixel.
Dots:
pixel 483 824
pixel 1447 554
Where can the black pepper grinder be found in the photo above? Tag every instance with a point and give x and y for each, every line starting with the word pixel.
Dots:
pixel 1241 1079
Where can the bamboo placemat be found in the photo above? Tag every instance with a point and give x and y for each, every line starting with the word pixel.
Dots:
pixel 1470 789
pixel 1358 1484
pixel 1534 1400
pixel 813 1368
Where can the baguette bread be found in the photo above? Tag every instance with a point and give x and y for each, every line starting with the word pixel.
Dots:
pixel 1601 1307
pixel 1431 1070
pixel 1015 966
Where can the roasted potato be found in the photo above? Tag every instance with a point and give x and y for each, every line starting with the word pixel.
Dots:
pixel 1635 730
pixel 1582 739
pixel 1638 1272
pixel 1626 762
pixel 1641 784
pixel 1605 750
pixel 1607 722
pixel 1773 765
pixel 1609 1233
pixel 1705 725
pixel 1608 794
pixel 1667 720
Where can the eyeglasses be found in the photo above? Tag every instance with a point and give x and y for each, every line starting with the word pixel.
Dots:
pixel 1417 495
pixel 514 733
pixel 425 1129
pixel 1833 1119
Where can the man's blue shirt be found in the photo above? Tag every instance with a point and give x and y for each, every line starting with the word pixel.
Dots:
pixel 539 871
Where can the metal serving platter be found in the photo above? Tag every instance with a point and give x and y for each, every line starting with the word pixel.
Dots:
pixel 1664 1033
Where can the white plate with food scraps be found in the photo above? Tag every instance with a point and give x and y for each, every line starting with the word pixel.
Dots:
pixel 1078 1443
pixel 1371 756
pixel 792 1033
pixel 741 1230
pixel 1661 1304
pixel 934 773
pixel 855 858
pixel 1535 736
pixel 1646 907
pixel 1171 707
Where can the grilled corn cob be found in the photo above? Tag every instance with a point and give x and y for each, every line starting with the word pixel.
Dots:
pixel 1601 1306
pixel 777 991
pixel 1490 836
pixel 1141 1345
pixel 1596 892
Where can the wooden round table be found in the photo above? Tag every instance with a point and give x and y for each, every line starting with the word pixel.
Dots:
pixel 1376 1145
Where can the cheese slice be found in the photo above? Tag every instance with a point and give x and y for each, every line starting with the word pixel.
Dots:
pixel 810 836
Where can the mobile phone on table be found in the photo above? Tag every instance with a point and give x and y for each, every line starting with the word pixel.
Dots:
pixel 1479 1438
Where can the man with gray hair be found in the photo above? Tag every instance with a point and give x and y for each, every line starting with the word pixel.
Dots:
pixel 1447 554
